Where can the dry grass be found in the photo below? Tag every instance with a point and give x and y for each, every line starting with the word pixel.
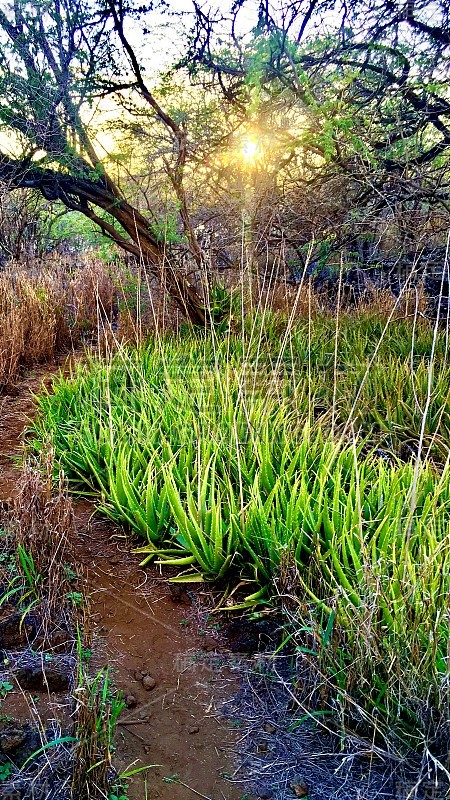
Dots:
pixel 44 309
pixel 382 302
pixel 49 307
pixel 43 524
pixel 29 322
pixel 40 527
pixel 301 301
pixel 96 713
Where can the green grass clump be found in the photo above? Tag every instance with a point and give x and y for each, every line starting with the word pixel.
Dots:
pixel 236 459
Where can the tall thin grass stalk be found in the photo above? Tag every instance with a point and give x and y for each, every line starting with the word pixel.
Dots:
pixel 426 409
pixel 377 348
pixel 336 342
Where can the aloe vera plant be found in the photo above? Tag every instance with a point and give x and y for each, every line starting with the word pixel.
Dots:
pixel 238 461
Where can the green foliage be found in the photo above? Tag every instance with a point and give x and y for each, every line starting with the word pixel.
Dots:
pixel 5 771
pixel 29 570
pixel 5 687
pixel 219 453
pixel 98 708
pixel 81 234
pixel 223 307
pixel 165 228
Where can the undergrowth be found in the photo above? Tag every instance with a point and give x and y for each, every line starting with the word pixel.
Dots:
pixel 49 633
pixel 46 308
pixel 314 451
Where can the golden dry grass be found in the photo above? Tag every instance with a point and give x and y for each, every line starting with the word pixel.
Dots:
pixel 44 309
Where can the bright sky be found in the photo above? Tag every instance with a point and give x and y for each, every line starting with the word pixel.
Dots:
pixel 165 44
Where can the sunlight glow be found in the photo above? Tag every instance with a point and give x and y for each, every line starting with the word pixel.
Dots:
pixel 250 149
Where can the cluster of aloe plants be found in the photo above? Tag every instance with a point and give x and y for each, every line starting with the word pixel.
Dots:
pixel 232 459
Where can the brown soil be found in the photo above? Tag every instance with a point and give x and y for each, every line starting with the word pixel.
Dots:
pixel 141 629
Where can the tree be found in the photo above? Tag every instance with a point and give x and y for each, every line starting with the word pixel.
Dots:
pixel 353 98
pixel 56 58
pixel 370 82
pixel 26 225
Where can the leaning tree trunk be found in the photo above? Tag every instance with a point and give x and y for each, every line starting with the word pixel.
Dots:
pixel 159 262
pixel 84 195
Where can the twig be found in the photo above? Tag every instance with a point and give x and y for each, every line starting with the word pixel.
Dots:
pixel 199 794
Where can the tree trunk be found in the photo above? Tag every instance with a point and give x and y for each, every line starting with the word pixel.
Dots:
pixel 82 195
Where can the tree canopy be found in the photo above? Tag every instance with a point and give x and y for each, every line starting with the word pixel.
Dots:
pixel 348 101
pixel 369 79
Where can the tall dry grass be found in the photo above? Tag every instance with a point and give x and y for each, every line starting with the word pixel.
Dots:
pixel 45 308
pixel 29 324
pixel 43 527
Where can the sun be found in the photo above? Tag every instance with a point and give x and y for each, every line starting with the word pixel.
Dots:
pixel 250 149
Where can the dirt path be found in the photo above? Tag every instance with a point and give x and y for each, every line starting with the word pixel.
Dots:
pixel 160 647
